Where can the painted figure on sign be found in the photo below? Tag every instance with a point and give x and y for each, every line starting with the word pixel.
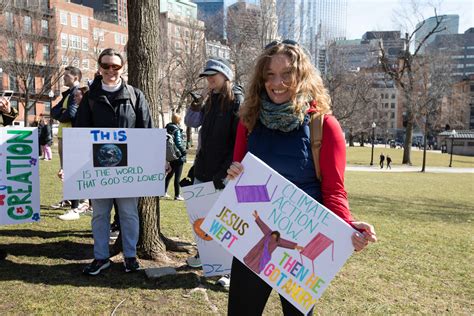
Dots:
pixel 261 253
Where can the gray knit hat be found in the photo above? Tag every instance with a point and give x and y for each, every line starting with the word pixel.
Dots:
pixel 215 65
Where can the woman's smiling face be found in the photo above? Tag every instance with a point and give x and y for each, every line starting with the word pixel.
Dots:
pixel 278 79
pixel 108 69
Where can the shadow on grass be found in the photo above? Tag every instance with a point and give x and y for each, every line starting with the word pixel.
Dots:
pixel 420 209
pixel 71 274
pixel 68 250
pixel 29 233
pixel 78 255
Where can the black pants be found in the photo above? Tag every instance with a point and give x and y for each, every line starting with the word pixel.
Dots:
pixel 176 170
pixel 248 293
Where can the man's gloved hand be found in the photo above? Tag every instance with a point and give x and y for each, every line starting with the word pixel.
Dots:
pixel 218 183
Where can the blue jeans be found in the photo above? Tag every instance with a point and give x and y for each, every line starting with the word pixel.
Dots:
pixel 129 226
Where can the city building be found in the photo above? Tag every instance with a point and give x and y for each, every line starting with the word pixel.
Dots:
pixel 183 54
pixel 390 41
pixel 113 11
pixel 215 48
pixel 354 54
pixel 460 49
pixel 212 12
pixel 313 23
pixel 27 64
pixel 81 37
pixel 449 24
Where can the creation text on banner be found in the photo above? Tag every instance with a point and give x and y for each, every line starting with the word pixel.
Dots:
pixel 19 176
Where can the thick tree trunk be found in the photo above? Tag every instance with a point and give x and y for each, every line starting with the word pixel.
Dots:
pixel 150 244
pixel 142 51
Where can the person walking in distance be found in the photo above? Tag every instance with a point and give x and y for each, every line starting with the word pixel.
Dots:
pixel 389 161
pixel 382 159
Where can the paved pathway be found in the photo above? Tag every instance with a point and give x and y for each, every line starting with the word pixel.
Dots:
pixel 376 168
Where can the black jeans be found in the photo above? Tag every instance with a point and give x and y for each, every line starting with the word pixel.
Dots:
pixel 248 293
pixel 176 170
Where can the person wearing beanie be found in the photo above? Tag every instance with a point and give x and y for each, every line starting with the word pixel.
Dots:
pixel 216 114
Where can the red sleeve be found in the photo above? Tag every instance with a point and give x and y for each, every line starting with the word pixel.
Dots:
pixel 240 147
pixel 333 164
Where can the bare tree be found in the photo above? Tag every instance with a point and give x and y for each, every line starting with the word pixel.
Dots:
pixel 353 93
pixel 189 58
pixel 403 73
pixel 29 54
pixel 433 83
pixel 244 33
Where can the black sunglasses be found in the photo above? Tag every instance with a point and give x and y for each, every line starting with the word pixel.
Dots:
pixel 285 42
pixel 108 66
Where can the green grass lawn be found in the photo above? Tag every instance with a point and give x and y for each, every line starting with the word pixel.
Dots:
pixel 422 264
pixel 361 156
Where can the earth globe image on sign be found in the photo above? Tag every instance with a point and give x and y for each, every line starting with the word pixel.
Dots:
pixel 109 155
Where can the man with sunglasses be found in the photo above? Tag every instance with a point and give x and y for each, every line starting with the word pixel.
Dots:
pixel 112 103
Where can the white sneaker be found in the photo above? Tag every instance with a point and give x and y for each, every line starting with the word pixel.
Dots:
pixel 224 281
pixel 167 196
pixel 70 215
pixel 82 208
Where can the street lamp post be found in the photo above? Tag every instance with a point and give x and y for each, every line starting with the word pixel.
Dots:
pixel 453 133
pixel 373 138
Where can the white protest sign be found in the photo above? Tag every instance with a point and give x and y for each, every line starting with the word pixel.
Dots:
pixel 199 200
pixel 113 162
pixel 291 241
pixel 19 176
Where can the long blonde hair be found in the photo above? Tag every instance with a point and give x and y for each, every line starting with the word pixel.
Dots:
pixel 305 83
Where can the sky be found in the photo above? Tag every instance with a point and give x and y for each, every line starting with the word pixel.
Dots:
pixel 379 15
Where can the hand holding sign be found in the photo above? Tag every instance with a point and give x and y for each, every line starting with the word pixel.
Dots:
pixel 361 240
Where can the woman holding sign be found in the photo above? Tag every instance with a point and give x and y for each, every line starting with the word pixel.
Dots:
pixel 217 117
pixel 284 92
pixel 111 102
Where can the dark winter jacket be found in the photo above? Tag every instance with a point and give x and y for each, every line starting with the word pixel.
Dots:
pixel 218 130
pixel 177 133
pixel 97 111
pixel 8 118
pixel 288 153
pixel 46 135
pixel 68 113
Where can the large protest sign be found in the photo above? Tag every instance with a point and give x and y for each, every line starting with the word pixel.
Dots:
pixel 199 200
pixel 19 176
pixel 113 162
pixel 291 241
